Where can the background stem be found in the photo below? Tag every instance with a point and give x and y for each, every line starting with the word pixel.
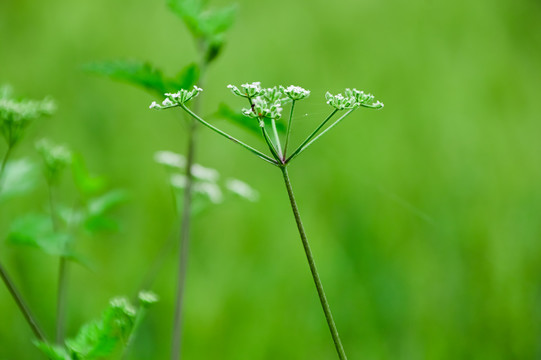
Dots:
pixel 313 269
pixel 61 291
pixel 22 305
pixel 15 294
pixel 176 343
pixel 184 245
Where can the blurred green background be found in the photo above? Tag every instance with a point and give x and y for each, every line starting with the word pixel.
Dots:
pixel 424 216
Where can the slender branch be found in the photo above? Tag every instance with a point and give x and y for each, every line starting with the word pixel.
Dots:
pixel 277 139
pixel 305 146
pixel 23 307
pixel 298 150
pixel 184 246
pixel 323 132
pixel 4 163
pixel 289 128
pixel 226 135
pixel 15 294
pixel 269 143
pixel 313 269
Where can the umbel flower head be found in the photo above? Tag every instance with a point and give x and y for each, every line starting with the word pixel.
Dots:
pixel 262 109
pixel 176 99
pixel 247 90
pixel 55 158
pixel 352 99
pixel 295 92
pixel 16 115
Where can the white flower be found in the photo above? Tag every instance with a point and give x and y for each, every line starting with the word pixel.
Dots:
pixel 248 90
pixel 147 297
pixel 296 92
pixel 170 159
pixel 176 99
pixel 211 190
pixel 242 189
pixel 178 181
pixel 204 173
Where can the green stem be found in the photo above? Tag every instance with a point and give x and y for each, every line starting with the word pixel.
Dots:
pixel 309 141
pixel 289 128
pixel 277 139
pixel 184 246
pixel 25 310
pixel 226 135
pixel 4 163
pixel 270 144
pixel 15 294
pixel 61 291
pixel 313 269
pixel 301 146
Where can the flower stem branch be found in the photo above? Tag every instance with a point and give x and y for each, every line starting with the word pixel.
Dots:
pixel 277 139
pixel 300 148
pixel 269 143
pixel 311 139
pixel 289 128
pixel 4 163
pixel 313 269
pixel 226 135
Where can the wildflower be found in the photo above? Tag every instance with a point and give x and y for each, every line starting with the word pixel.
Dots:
pixel 248 90
pixel 242 189
pixel 176 99
pixel 262 109
pixel 295 92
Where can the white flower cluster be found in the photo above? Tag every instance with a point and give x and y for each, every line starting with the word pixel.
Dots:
pixel 295 92
pixel 176 99
pixel 248 90
pixel 16 115
pixel 55 157
pixel 267 103
pixel 147 297
pixel 352 99
pixel 262 109
pixel 205 179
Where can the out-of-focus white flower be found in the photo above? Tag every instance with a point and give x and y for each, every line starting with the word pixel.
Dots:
pixel 170 159
pixel 242 189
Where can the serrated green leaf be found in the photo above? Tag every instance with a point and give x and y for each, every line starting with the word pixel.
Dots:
pixel 53 352
pixel 87 184
pixel 185 79
pixel 133 72
pixel 36 230
pixel 19 178
pixel 99 338
pixel 217 21
pixel 189 11
pixel 226 112
pixel 107 201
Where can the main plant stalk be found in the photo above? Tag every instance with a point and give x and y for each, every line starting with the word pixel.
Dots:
pixel 313 269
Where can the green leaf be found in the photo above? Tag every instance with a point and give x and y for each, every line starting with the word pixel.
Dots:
pixel 185 79
pixel 53 352
pixel 217 21
pixel 226 112
pixel 97 208
pixel 99 338
pixel 189 11
pixel 36 230
pixel 133 72
pixel 19 178
pixel 86 183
